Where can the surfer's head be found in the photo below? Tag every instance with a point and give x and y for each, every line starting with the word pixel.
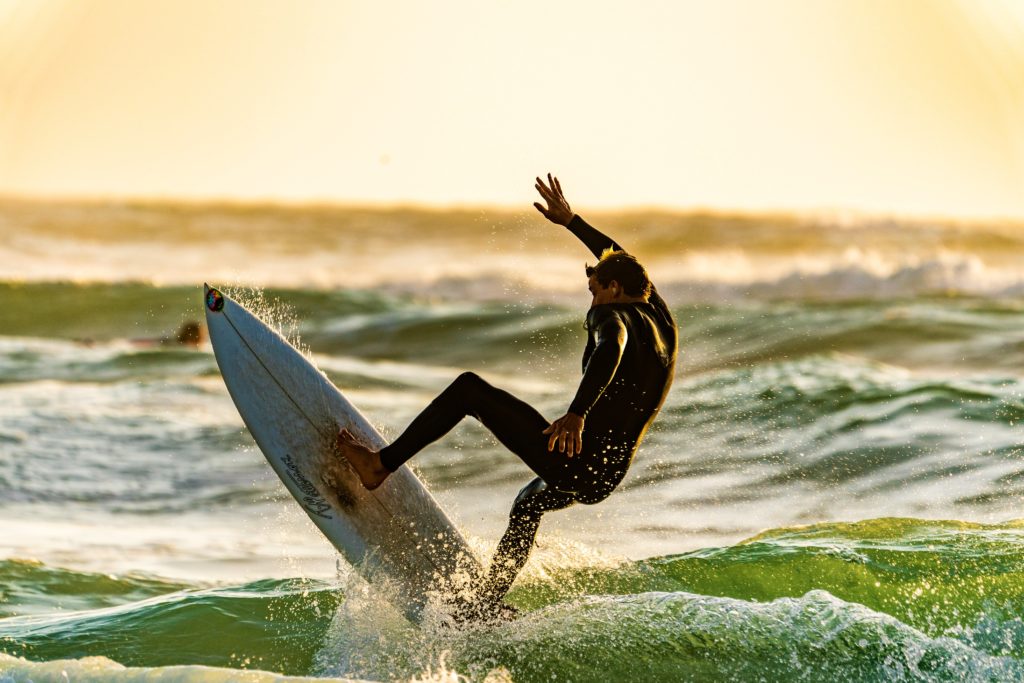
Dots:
pixel 617 276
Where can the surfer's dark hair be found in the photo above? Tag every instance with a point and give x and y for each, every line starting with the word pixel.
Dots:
pixel 624 269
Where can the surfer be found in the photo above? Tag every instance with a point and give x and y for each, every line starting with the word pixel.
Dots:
pixel 628 366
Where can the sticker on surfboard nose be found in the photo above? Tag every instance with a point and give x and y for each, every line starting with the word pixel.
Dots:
pixel 214 300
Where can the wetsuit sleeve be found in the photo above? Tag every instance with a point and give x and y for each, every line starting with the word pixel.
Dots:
pixel 596 241
pixel 610 340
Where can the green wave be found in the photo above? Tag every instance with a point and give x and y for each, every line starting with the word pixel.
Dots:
pixel 29 587
pixel 107 311
pixel 882 599
pixel 848 392
pixel 272 624
pixel 683 637
pixel 920 331
pixel 938 576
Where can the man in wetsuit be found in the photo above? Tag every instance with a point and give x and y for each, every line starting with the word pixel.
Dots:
pixel 628 366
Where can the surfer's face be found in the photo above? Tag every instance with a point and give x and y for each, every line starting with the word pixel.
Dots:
pixel 602 294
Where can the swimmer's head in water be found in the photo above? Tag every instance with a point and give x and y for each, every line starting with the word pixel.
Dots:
pixel 214 300
pixel 620 267
pixel 191 332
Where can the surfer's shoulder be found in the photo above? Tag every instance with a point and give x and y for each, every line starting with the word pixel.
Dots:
pixel 601 314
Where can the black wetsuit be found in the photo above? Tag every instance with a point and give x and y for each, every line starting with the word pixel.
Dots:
pixel 628 367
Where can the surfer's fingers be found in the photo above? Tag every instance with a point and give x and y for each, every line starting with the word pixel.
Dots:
pixel 551 442
pixel 546 198
pixel 561 440
pixel 556 189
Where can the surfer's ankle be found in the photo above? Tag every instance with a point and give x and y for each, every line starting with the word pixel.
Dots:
pixel 370 470
pixel 366 463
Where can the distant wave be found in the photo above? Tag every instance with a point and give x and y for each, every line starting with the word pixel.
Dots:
pixel 949 275
pixel 838 281
pixel 502 256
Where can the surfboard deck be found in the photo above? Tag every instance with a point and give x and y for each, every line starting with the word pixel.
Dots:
pixel 396 535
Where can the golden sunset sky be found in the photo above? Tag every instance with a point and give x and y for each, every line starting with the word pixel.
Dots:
pixel 903 106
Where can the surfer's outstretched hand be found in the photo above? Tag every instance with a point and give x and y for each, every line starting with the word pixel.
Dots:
pixel 365 462
pixel 557 210
pixel 567 431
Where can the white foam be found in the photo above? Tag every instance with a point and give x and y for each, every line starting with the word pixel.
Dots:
pixel 450 257
pixel 103 670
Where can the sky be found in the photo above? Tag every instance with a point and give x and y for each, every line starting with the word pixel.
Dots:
pixel 908 106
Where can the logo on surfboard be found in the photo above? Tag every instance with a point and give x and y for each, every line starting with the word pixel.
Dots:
pixel 312 501
pixel 214 300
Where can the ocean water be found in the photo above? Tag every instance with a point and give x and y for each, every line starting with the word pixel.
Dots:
pixel 832 491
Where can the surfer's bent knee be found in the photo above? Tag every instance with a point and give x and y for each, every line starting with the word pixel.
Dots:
pixel 522 506
pixel 529 506
pixel 533 488
pixel 469 377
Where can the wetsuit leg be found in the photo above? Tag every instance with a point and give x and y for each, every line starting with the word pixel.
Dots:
pixel 515 423
pixel 514 548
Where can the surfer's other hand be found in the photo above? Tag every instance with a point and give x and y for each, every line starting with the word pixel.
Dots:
pixel 557 210
pixel 567 431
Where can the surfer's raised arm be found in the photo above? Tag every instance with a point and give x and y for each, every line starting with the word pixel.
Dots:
pixel 559 212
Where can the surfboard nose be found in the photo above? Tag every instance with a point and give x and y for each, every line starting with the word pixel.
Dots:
pixel 213 298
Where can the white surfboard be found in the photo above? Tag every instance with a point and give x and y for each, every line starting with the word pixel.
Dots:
pixel 396 532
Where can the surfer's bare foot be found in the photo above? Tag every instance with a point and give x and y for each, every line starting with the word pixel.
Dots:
pixel 365 462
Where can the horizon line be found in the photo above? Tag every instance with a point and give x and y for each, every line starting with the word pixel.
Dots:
pixel 268 201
